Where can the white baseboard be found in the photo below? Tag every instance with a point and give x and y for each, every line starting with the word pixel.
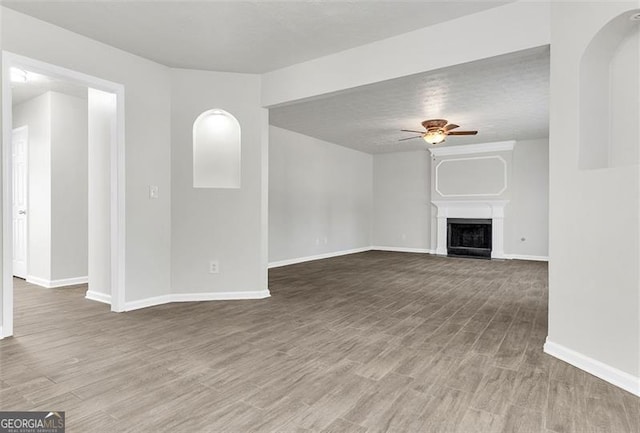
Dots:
pixel 147 302
pixel 99 297
pixel 219 296
pixel 195 297
pixel 526 257
pixel 296 260
pixel 592 366
pixel 403 250
pixel 52 284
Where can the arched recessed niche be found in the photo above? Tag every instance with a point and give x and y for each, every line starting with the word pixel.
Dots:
pixel 216 150
pixel 610 94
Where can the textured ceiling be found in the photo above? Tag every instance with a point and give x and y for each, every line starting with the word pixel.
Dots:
pixel 243 36
pixel 504 98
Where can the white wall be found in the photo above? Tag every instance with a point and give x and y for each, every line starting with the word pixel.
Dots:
pixel 474 175
pixel 527 215
pixel 594 220
pixel 470 174
pixel 147 122
pixel 404 186
pixel 609 87
pixel 57 184
pixel 401 200
pixel 624 90
pixel 227 225
pixel 69 184
pixel 320 197
pixel 6 295
pixel 36 115
pixel 101 136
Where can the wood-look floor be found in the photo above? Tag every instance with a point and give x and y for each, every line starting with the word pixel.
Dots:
pixel 370 342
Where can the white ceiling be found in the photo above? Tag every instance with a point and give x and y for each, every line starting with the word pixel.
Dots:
pixel 504 98
pixel 243 36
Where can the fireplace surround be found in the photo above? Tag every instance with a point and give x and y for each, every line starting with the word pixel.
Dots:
pixel 472 209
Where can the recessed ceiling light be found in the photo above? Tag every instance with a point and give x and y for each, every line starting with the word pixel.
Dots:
pixel 18 75
pixel 635 17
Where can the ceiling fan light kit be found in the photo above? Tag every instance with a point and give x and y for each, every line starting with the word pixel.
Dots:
pixel 436 131
pixel 434 136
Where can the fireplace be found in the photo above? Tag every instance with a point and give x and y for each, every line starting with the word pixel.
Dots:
pixel 468 237
pixel 492 210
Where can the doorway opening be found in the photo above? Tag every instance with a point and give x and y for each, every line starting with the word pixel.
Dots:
pixel 103 195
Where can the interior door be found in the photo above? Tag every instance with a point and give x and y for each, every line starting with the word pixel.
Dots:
pixel 19 149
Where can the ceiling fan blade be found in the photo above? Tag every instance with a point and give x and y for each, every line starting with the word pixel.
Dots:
pixel 410 138
pixel 434 123
pixel 411 130
pixel 463 133
pixel 451 126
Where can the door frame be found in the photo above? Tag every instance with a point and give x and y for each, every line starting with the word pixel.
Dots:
pixel 26 225
pixel 117 170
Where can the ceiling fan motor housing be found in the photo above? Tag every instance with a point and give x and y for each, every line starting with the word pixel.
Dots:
pixel 434 123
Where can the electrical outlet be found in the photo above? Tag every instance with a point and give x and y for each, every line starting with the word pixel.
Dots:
pixel 153 191
pixel 214 267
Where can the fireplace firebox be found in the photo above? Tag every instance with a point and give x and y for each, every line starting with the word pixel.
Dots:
pixel 469 237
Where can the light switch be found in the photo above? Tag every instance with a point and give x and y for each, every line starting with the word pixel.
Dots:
pixel 153 191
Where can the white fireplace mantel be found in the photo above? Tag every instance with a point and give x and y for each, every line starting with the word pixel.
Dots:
pixel 485 209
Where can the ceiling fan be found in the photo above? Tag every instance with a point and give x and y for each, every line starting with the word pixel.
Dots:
pixel 436 131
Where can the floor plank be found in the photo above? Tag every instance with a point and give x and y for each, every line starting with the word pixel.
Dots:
pixel 371 342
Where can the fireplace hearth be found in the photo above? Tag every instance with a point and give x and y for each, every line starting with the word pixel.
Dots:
pixel 468 237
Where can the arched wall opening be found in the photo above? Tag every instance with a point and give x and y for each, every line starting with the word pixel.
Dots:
pixel 609 95
pixel 216 150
